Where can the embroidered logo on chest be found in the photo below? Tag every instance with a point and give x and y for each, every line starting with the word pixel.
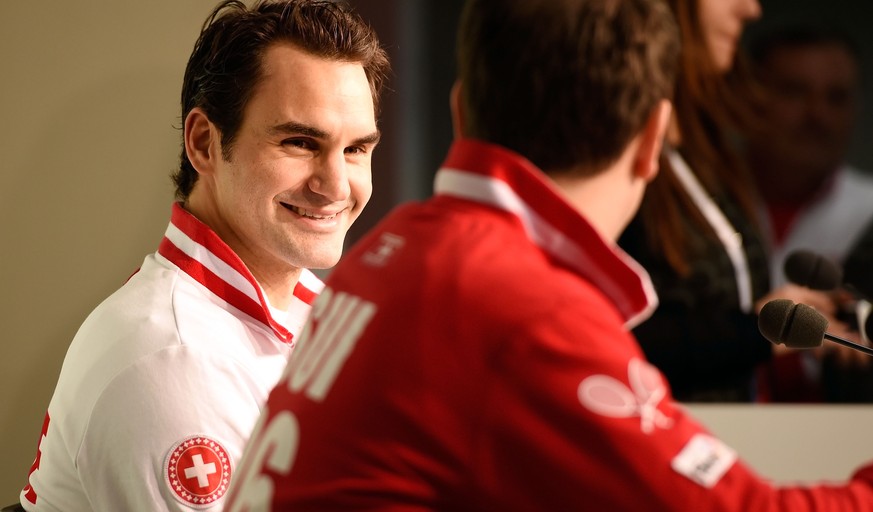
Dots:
pixel 197 470
pixel 610 397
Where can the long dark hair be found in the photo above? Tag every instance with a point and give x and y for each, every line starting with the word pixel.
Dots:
pixel 710 107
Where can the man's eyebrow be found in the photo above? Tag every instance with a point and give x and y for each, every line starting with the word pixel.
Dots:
pixel 373 138
pixel 294 128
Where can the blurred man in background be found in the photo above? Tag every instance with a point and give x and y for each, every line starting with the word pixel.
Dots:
pixel 812 198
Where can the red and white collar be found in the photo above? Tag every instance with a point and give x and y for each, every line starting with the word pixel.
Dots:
pixel 193 247
pixel 493 175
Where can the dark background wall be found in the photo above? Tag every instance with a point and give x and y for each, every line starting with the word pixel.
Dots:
pixel 420 38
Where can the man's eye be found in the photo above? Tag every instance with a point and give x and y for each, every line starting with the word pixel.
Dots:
pixel 353 150
pixel 298 143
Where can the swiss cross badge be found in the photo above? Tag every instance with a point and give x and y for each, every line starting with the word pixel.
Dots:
pixel 197 470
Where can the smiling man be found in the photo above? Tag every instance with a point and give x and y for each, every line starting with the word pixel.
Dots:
pixel 165 379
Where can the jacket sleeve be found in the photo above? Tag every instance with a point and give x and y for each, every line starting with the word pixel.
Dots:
pixel 579 417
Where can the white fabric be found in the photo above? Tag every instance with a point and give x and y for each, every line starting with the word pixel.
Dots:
pixel 830 225
pixel 160 360
pixel 727 234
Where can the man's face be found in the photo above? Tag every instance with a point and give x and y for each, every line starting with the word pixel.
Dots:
pixel 813 106
pixel 298 173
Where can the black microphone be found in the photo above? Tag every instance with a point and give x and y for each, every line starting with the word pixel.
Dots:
pixel 812 270
pixel 807 268
pixel 800 326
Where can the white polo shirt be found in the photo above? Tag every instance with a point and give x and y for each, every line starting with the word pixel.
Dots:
pixel 164 381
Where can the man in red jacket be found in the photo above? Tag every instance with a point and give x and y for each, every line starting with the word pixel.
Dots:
pixel 473 352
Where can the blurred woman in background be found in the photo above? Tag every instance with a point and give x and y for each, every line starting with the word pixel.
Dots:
pixel 696 232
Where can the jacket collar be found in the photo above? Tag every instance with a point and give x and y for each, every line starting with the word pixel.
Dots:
pixel 493 175
pixel 198 251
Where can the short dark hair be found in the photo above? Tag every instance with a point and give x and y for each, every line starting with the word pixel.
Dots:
pixel 801 35
pixel 565 83
pixel 225 65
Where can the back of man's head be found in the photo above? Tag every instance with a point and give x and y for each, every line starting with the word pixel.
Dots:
pixel 565 83
pixel 225 65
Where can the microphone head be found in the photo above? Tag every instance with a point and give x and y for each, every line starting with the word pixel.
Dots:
pixel 795 325
pixel 812 270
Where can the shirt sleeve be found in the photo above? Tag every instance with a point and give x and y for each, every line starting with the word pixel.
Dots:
pixel 165 432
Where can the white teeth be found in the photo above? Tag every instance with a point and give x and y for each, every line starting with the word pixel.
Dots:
pixel 305 213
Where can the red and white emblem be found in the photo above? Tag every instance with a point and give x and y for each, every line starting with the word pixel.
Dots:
pixel 197 469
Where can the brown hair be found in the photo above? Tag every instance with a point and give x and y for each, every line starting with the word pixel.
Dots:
pixel 565 83
pixel 225 65
pixel 707 105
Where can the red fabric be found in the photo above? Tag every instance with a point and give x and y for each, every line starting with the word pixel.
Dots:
pixel 209 245
pixel 782 219
pixel 784 214
pixel 785 380
pixel 452 364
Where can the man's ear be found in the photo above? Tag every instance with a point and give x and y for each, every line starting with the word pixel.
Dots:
pixel 456 107
pixel 202 141
pixel 652 140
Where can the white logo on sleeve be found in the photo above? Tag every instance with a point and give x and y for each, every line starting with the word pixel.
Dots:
pixel 704 460
pixel 610 397
pixel 197 471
